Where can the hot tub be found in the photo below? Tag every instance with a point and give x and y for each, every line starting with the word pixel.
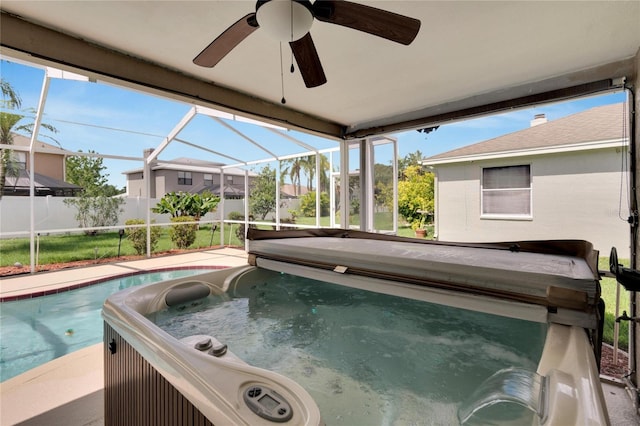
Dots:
pixel 343 327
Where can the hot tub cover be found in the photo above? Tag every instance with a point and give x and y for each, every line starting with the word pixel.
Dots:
pixel 556 274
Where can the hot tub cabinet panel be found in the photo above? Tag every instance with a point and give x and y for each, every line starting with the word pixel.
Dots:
pixel 137 394
pixel 153 378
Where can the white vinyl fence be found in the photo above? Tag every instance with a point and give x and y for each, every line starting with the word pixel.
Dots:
pixel 52 214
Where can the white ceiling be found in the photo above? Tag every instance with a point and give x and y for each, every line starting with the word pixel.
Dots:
pixel 467 54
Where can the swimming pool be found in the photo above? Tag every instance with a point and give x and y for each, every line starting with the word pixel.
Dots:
pixel 37 330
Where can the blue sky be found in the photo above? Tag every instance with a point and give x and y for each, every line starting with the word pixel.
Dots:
pixel 116 121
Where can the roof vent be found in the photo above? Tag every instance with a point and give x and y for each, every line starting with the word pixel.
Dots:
pixel 538 119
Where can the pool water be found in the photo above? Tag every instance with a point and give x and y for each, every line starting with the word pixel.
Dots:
pixel 365 358
pixel 38 330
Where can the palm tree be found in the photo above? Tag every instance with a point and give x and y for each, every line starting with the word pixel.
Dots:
pixel 8 125
pixel 293 168
pixel 309 166
pixel 10 100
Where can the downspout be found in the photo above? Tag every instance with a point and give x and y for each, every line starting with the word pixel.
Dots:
pixel 632 382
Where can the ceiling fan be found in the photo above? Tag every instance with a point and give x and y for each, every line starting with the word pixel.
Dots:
pixel 291 20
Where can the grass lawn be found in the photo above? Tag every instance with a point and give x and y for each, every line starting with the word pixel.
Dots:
pixel 69 248
pixel 609 296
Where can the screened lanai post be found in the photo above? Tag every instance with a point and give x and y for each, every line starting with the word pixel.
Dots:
pixel 344 185
pixel 221 191
pixel 246 208
pixel 368 192
pixel 32 188
pixel 317 185
pixel 278 196
pixel 395 186
pixel 146 174
pixel 156 152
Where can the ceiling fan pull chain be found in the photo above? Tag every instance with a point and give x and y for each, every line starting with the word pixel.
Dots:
pixel 292 69
pixel 283 100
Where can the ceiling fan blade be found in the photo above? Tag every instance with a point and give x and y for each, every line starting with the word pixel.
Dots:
pixel 225 42
pixel 378 22
pixel 308 61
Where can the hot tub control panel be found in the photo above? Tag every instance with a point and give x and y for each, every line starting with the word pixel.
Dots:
pixel 267 403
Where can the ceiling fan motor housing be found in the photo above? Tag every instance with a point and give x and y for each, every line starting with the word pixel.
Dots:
pixel 285 20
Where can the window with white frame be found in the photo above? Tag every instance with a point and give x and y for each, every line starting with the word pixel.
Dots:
pixel 208 179
pixel 19 160
pixel 506 192
pixel 184 178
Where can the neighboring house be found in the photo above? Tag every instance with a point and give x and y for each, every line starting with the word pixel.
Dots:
pixel 187 175
pixel 49 171
pixel 562 179
pixel 289 190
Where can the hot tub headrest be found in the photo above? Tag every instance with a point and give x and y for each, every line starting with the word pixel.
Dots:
pixel 187 292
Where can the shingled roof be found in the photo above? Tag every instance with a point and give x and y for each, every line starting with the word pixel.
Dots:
pixel 599 124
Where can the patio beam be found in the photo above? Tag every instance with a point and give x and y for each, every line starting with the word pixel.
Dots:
pixel 569 86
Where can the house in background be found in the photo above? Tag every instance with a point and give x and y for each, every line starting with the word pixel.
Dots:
pixel 561 179
pixel 49 171
pixel 188 175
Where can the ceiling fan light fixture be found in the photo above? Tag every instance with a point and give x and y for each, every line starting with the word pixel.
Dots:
pixel 285 20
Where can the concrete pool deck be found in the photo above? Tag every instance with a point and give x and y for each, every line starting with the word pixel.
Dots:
pixel 45 282
pixel 68 391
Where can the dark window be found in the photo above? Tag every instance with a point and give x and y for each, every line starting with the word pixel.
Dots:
pixel 184 178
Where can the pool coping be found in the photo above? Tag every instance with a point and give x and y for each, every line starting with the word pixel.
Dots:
pixel 105 279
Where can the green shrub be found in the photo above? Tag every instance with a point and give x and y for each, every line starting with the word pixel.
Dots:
pixel 308 204
pixel 185 234
pixel 235 216
pixel 240 226
pixel 138 236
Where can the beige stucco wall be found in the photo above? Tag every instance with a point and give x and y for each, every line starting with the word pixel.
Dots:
pixel 51 165
pixel 575 196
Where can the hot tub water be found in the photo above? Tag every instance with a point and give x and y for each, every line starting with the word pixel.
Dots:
pixel 366 358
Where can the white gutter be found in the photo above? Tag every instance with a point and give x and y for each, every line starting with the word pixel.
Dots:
pixel 585 146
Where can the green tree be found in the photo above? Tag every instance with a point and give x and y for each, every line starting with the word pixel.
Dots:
pixel 383 185
pixel 411 159
pixel 262 199
pixel 87 172
pixel 97 205
pixel 10 123
pixel 415 192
